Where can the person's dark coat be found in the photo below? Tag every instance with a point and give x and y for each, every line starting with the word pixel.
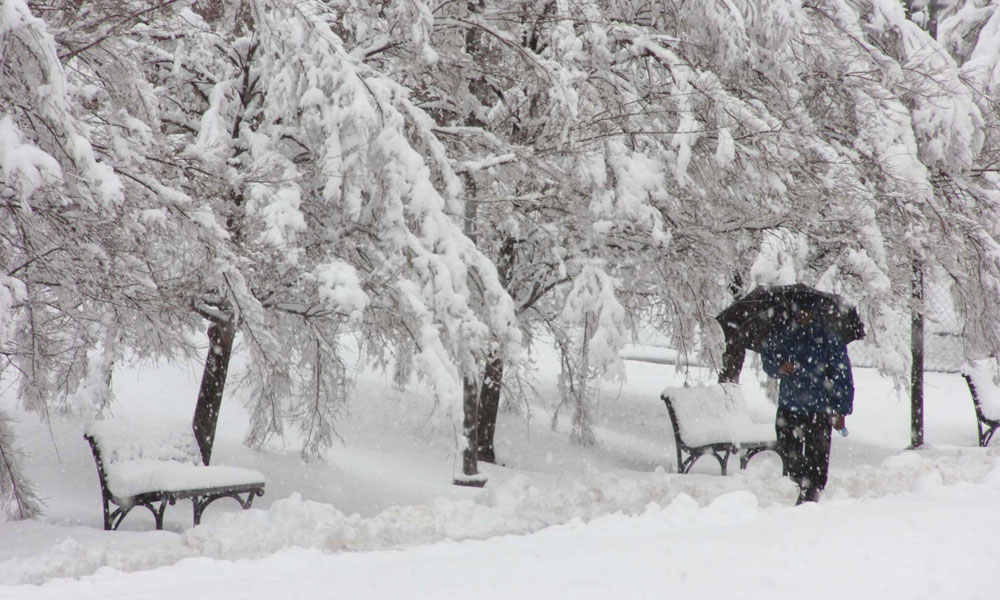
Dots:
pixel 822 380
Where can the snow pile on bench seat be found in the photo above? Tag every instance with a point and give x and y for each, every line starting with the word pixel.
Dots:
pixel 716 413
pixel 985 375
pixel 134 477
pixel 140 458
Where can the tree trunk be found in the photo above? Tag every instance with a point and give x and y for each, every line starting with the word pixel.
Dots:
pixel 213 382
pixel 489 394
pixel 471 425
pixel 489 404
pixel 933 9
pixel 470 465
pixel 470 399
pixel 734 354
pixel 732 363
pixel 917 360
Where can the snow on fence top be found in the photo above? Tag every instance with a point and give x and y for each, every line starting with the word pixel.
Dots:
pixel 985 375
pixel 148 457
pixel 716 413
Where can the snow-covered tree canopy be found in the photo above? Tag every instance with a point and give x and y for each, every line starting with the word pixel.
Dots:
pixel 337 202
pixel 274 174
pixel 682 140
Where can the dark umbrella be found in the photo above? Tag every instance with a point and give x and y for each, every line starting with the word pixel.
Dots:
pixel 748 321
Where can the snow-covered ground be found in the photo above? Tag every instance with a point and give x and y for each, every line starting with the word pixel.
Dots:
pixel 379 517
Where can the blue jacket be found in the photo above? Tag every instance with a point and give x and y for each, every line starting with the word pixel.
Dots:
pixel 822 380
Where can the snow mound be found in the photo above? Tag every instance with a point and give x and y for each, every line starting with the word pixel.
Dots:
pixel 911 471
pixel 514 507
pixel 992 478
pixel 73 558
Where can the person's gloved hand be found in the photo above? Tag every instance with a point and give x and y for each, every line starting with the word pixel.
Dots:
pixel 838 423
pixel 786 368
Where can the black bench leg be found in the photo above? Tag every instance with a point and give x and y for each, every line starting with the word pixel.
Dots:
pixel 157 512
pixel 200 502
pixel 985 437
pixel 107 514
pixel 685 465
pixel 723 460
pixel 113 519
pixel 250 496
pixel 747 455
pixel 198 509
pixel 116 517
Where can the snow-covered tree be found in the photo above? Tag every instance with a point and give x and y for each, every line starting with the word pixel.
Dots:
pixel 91 259
pixel 233 163
pixel 927 133
pixel 59 266
pixel 337 200
pixel 679 141
pixel 970 31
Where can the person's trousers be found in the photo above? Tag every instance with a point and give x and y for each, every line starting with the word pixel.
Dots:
pixel 804 443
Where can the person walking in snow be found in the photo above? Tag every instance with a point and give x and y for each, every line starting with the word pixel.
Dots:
pixel 816 393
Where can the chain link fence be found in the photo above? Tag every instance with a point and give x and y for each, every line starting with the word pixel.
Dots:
pixel 944 348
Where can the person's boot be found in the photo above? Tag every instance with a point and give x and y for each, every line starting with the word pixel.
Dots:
pixel 807 494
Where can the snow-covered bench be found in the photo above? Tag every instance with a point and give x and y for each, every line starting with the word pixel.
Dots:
pixel 715 420
pixel 982 377
pixel 155 465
